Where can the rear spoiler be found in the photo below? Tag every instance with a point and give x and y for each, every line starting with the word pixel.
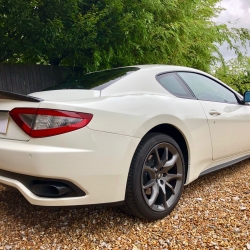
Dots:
pixel 18 97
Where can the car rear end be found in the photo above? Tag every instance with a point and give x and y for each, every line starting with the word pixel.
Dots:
pixel 48 152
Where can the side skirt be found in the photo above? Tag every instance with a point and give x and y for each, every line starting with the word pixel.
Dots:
pixel 223 165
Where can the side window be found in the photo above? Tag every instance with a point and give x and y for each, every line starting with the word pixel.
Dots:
pixel 172 83
pixel 207 89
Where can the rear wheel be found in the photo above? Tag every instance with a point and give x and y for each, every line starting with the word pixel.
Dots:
pixel 156 177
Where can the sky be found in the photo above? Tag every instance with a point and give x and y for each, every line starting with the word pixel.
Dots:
pixel 235 11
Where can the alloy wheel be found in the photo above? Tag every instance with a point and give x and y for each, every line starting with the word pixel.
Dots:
pixel 161 178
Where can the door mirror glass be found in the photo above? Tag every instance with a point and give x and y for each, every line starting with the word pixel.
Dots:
pixel 247 96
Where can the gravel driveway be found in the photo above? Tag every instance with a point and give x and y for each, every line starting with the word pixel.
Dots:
pixel 213 213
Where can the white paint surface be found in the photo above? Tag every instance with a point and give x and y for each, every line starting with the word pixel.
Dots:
pixel 4 118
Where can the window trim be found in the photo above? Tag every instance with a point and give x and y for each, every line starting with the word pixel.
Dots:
pixel 192 96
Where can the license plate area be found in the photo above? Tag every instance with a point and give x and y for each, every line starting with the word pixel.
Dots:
pixel 4 120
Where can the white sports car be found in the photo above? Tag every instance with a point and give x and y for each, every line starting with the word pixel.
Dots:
pixel 130 136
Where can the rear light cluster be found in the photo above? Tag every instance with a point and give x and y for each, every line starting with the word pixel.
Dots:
pixel 39 123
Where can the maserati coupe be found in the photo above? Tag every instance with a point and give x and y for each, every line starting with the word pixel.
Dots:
pixel 131 136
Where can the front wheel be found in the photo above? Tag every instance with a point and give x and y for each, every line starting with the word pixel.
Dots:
pixel 156 177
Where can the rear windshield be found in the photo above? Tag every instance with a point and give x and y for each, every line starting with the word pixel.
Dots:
pixel 96 81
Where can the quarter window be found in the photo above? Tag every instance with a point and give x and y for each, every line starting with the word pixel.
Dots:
pixel 207 89
pixel 174 85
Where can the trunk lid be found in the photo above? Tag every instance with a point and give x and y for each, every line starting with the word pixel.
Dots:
pixel 66 95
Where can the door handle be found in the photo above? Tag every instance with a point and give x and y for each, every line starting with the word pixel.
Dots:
pixel 214 112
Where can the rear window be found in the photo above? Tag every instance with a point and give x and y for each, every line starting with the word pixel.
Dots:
pixel 96 81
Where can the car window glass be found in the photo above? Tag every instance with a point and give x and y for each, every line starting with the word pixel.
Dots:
pixel 174 85
pixel 96 80
pixel 207 89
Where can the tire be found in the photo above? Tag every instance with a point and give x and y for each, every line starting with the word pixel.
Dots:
pixel 156 178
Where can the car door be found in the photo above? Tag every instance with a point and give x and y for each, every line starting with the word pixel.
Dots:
pixel 228 120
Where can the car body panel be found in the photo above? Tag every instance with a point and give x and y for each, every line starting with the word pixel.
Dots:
pixel 83 157
pixel 136 122
pixel 227 128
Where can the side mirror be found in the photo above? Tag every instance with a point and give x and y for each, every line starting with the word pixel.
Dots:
pixel 247 96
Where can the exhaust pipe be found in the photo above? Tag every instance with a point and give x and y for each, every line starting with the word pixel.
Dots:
pixel 50 189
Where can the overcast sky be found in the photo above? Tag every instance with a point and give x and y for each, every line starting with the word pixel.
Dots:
pixel 236 11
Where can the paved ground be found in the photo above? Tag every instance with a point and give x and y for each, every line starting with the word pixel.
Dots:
pixel 213 213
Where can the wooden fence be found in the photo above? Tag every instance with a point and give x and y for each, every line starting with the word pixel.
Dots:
pixel 25 79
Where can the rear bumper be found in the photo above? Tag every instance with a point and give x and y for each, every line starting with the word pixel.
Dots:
pixel 96 162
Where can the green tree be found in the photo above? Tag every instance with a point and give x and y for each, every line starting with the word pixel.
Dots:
pixel 236 73
pixel 45 31
pixel 98 34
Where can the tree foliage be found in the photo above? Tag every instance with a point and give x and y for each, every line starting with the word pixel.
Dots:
pixel 236 73
pixel 98 34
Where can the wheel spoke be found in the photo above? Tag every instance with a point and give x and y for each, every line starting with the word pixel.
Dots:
pixel 149 184
pixel 149 170
pixel 158 161
pixel 171 177
pixel 170 187
pixel 164 199
pixel 164 157
pixel 169 164
pixel 155 193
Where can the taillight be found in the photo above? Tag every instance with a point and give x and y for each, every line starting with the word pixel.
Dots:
pixel 39 123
